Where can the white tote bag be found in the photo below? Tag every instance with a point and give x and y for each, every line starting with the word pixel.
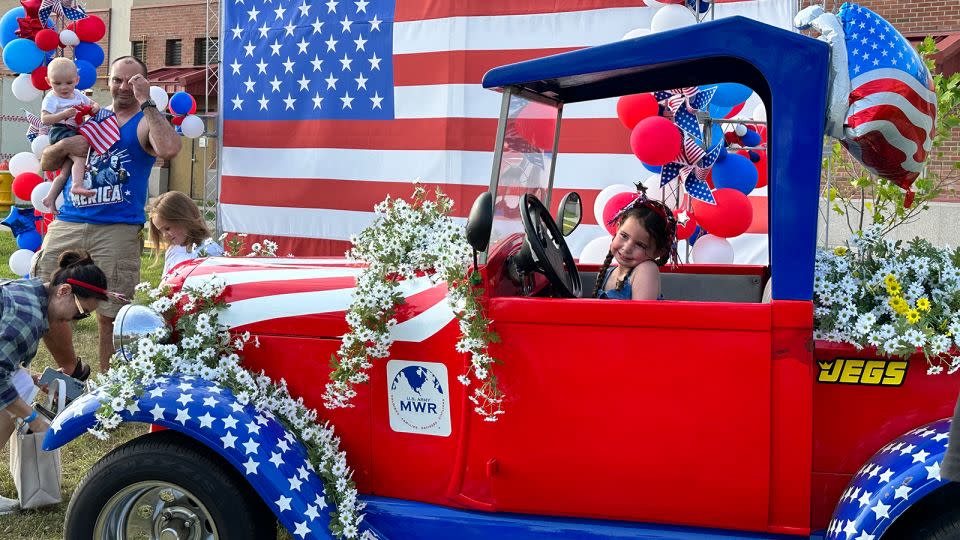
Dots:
pixel 36 472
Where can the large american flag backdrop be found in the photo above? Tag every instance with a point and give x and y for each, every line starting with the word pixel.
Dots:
pixel 329 107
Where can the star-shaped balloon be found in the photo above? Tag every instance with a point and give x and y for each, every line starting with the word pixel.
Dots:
pixel 28 27
pixel 20 220
pixel 31 8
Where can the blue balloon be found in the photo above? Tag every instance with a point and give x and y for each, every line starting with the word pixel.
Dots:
pixel 735 172
pixel 9 25
pixel 752 138
pixel 718 111
pixel 20 220
pixel 30 240
pixel 87 73
pixel 652 168
pixel 22 56
pixel 697 233
pixel 702 6
pixel 730 94
pixel 91 52
pixel 181 103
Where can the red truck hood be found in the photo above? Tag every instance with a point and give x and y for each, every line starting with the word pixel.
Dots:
pixel 308 297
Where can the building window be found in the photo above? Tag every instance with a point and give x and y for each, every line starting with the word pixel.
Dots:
pixel 173 52
pixel 212 51
pixel 140 50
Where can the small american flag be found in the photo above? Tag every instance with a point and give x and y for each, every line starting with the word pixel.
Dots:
pixel 101 130
pixel 36 127
pixel 893 107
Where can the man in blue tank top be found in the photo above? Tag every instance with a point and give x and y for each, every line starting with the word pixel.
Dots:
pixel 108 223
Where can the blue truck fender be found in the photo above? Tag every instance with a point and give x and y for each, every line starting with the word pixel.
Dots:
pixel 255 443
pixel 897 477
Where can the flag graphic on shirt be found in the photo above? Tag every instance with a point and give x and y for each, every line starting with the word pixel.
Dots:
pixel 330 106
pixel 101 130
pixel 893 106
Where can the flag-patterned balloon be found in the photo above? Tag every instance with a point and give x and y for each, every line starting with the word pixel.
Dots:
pixel 893 107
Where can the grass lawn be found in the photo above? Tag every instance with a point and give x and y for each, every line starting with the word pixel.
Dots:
pixel 78 456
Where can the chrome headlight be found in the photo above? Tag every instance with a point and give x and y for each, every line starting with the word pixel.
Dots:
pixel 132 323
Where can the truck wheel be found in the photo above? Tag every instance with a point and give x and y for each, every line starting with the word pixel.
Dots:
pixel 935 517
pixel 165 485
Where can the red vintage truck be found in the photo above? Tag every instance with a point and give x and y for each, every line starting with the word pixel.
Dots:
pixel 711 414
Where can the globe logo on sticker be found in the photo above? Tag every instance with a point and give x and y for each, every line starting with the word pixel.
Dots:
pixel 418 400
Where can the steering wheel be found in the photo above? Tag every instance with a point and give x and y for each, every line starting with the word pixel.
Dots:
pixel 550 251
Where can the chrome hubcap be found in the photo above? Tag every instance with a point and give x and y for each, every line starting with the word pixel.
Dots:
pixel 154 510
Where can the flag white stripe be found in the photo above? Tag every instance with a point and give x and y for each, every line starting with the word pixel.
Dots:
pixel 262 263
pixel 583 171
pixel 474 101
pixel 895 139
pixel 423 325
pixel 916 117
pixel 254 276
pixel 890 73
pixel 265 308
pixel 556 30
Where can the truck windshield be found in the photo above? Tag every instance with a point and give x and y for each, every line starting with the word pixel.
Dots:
pixel 526 161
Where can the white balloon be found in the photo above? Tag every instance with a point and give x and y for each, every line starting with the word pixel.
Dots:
pixel 711 249
pixel 670 17
pixel 159 96
pixel 69 38
pixel 635 33
pixel 20 261
pixel 760 113
pixel 22 162
pixel 740 130
pixel 23 88
pixel 596 250
pixel 654 4
pixel 39 143
pixel 37 195
pixel 605 195
pixel 192 126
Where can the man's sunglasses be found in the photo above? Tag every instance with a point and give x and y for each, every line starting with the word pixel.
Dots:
pixel 81 314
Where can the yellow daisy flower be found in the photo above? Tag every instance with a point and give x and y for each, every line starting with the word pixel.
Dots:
pixel 923 304
pixel 913 316
pixel 840 250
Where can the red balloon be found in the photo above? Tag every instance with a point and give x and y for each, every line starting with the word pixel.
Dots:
pixel 633 108
pixel 731 216
pixel 24 183
pixel 177 120
pixel 47 39
pixel 193 109
pixel 31 8
pixel 90 28
pixel 39 78
pixel 656 140
pixel 613 206
pixel 686 231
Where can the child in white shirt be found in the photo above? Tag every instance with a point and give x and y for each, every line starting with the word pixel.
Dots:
pixel 176 219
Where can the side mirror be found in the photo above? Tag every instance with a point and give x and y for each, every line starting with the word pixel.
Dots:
pixel 480 222
pixel 571 212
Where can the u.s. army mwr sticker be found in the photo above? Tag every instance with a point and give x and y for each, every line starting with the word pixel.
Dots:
pixel 861 371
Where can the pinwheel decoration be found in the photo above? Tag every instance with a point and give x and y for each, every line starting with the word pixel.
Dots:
pixel 692 166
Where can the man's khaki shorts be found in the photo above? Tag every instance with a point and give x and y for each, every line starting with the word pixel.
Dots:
pixel 114 248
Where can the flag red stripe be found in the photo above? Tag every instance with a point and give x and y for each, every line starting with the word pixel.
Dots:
pixel 885 158
pixel 413 10
pixel 459 67
pixel 355 196
pixel 895 86
pixel 301 247
pixel 894 115
pixel 581 135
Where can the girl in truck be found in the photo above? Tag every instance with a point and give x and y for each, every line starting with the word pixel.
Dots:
pixel 176 219
pixel 645 240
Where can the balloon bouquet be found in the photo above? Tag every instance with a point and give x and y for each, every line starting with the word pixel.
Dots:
pixel 704 174
pixel 31 35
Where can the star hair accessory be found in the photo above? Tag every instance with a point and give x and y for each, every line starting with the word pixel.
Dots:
pixel 98 290
pixel 641 201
